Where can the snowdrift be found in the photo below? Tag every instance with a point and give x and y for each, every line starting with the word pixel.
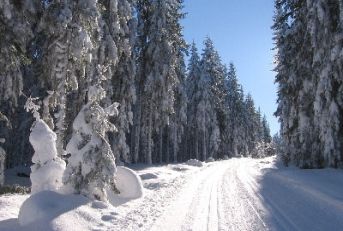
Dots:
pixel 129 185
pixel 43 207
pixel 194 162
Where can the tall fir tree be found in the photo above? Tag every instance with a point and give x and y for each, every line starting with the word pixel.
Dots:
pixel 308 76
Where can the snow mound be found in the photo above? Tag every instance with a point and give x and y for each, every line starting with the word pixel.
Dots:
pixel 210 159
pixel 128 183
pixel 148 176
pixel 194 162
pixel 42 207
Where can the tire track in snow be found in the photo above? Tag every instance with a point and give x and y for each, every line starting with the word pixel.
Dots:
pixel 196 206
pixel 239 195
pixel 241 211
pixel 252 188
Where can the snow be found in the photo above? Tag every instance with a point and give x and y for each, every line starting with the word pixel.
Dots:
pixel 45 205
pixel 129 185
pixel 43 140
pixel 210 159
pixel 194 162
pixel 48 168
pixel 251 194
pixel 235 194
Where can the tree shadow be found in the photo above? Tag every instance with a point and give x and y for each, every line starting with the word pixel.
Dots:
pixel 10 224
pixel 40 209
pixel 298 199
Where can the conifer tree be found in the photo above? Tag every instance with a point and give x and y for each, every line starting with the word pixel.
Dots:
pixel 266 130
pixel 117 54
pixel 68 30
pixel 235 106
pixel 91 166
pixel 308 78
pixel 160 41
pixel 192 85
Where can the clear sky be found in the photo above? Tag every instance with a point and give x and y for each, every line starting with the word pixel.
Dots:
pixel 240 30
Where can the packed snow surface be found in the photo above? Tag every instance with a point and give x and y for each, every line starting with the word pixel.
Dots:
pixel 235 194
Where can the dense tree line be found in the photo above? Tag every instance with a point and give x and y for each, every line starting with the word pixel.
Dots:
pixel 308 36
pixel 79 57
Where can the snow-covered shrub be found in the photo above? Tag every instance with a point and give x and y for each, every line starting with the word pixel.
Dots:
pixel 148 176
pixel 91 167
pixel 226 157
pixel 14 189
pixel 48 168
pixel 194 162
pixel 210 159
pixel 280 149
pixel 263 149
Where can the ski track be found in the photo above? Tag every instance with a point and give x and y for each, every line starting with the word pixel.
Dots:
pixel 238 194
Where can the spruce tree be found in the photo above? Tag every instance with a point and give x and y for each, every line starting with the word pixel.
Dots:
pixel 160 40
pixel 308 78
pixel 91 166
pixel 192 85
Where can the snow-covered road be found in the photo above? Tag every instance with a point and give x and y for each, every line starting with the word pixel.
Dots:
pixel 246 194
pixel 235 194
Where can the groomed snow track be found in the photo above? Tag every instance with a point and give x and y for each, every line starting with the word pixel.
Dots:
pixel 247 194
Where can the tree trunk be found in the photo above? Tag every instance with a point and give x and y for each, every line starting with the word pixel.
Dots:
pixel 149 139
pixel 204 151
pixel 168 148
pixel 137 131
pixel 175 143
pixel 196 145
pixel 161 144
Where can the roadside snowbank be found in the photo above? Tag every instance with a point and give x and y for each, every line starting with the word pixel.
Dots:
pixel 130 210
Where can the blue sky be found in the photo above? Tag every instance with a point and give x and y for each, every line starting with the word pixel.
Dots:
pixel 240 30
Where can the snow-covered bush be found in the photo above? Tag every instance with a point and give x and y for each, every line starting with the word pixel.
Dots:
pixel 194 162
pixel 210 159
pixel 91 167
pixel 14 189
pixel 263 149
pixel 280 150
pixel 48 168
pixel 226 157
